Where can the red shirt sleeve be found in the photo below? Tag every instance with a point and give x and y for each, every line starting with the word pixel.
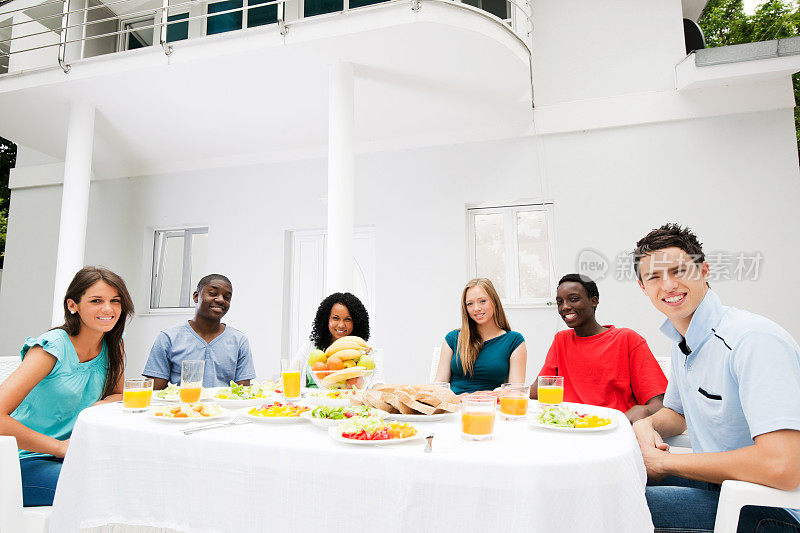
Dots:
pixel 647 378
pixel 550 367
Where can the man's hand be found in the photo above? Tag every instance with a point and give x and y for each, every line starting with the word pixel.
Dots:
pixel 653 462
pixel 648 437
pixel 637 412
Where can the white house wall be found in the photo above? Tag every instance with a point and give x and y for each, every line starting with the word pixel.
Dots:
pixel 734 179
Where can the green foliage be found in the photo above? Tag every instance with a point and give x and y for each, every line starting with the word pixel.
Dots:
pixel 724 22
pixel 8 158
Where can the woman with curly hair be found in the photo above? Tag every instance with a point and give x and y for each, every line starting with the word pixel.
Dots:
pixel 339 315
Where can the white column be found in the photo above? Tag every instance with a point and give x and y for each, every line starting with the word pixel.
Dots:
pixel 74 203
pixel 341 181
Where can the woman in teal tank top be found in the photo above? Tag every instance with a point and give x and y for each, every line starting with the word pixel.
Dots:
pixel 484 353
pixel 64 371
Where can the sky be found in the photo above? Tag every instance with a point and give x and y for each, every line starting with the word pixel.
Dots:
pixel 751 5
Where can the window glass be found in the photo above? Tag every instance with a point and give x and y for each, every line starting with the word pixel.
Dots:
pixel 199 254
pixel 226 22
pixel 172 271
pixel 533 254
pixel 319 7
pixel 261 16
pixel 490 250
pixel 139 36
pixel 362 3
pixel 179 30
pixel 179 261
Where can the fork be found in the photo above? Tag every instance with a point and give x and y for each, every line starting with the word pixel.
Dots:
pixel 215 425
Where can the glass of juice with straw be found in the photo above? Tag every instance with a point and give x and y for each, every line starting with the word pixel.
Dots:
pixel 514 400
pixel 191 381
pixel 477 417
pixel 551 390
pixel 136 394
pixel 291 379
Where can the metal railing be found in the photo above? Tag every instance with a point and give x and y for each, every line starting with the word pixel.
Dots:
pixel 15 41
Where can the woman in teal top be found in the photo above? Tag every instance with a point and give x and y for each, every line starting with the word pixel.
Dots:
pixel 64 371
pixel 484 353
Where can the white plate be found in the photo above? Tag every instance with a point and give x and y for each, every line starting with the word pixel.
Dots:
pixel 254 402
pixel 417 418
pixel 151 413
pixel 328 402
pixel 205 394
pixel 535 423
pixel 336 435
pixel 271 419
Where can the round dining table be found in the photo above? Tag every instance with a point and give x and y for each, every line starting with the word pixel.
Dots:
pixel 134 469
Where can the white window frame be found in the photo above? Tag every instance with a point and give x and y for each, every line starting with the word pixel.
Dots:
pixel 157 270
pixel 122 42
pixel 509 211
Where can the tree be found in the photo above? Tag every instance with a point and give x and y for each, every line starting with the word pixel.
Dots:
pixel 8 158
pixel 724 22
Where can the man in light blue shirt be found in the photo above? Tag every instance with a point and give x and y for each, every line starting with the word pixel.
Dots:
pixel 225 350
pixel 736 385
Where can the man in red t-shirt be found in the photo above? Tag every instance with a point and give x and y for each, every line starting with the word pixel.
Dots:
pixel 601 365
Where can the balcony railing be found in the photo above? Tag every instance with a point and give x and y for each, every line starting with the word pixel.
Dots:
pixel 61 31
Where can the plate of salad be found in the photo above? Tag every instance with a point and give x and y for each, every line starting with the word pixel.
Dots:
pixel 568 418
pixel 325 416
pixel 275 412
pixel 246 395
pixel 373 431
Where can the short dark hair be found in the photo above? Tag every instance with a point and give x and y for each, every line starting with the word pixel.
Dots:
pixel 321 335
pixel 586 281
pixel 205 280
pixel 669 235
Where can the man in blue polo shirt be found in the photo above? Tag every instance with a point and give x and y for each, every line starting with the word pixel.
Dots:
pixel 225 350
pixel 735 384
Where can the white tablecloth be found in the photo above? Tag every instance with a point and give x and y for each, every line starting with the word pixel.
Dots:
pixel 131 469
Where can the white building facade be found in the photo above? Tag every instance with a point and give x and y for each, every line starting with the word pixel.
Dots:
pixel 390 128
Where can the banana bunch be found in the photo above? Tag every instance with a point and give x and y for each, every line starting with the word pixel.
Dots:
pixel 348 348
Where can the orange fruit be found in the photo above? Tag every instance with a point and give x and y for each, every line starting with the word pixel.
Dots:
pixel 352 382
pixel 319 366
pixel 334 363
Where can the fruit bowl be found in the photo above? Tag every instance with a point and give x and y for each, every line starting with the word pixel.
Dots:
pixel 347 378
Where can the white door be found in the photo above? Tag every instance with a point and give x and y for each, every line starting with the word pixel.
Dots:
pixel 308 285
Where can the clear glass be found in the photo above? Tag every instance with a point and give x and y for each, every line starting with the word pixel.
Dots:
pixel 172 271
pixel 490 250
pixel 441 384
pixel 136 394
pixel 191 381
pixel 533 257
pixel 290 373
pixel 514 400
pixel 477 417
pixel 551 390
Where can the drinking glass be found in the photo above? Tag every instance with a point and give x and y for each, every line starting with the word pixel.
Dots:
pixel 191 380
pixel 136 394
pixel 291 379
pixel 441 384
pixel 551 390
pixel 477 417
pixel 514 400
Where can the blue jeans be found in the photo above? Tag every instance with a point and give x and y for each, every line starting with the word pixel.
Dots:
pixel 39 478
pixel 680 505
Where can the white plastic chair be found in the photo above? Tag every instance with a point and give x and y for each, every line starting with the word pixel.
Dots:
pixel 737 494
pixel 13 517
pixel 8 365
pixel 437 352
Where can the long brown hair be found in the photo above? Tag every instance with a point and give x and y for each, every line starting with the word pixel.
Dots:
pixel 85 278
pixel 469 341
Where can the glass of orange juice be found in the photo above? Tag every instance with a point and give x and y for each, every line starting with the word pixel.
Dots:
pixel 514 400
pixel 477 417
pixel 291 379
pixel 191 380
pixel 551 390
pixel 136 394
